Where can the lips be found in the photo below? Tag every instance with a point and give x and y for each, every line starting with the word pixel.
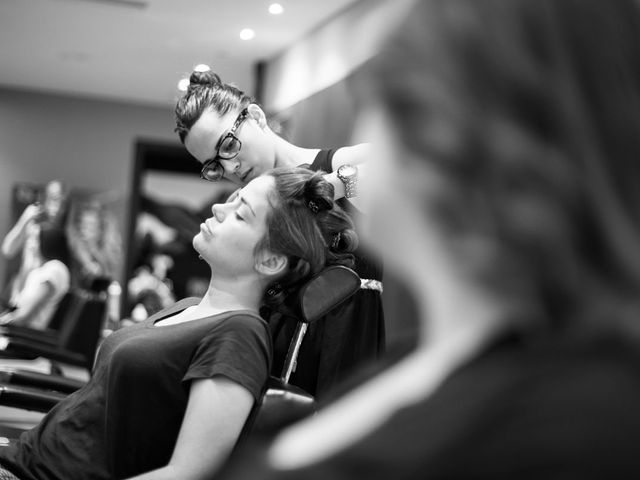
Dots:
pixel 205 228
pixel 244 178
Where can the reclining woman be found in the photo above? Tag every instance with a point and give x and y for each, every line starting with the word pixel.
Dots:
pixel 169 396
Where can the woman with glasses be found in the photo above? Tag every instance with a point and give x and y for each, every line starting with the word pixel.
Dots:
pixel 169 396
pixel 226 131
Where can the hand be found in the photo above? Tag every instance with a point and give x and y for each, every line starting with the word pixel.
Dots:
pixel 6 318
pixel 32 212
pixel 92 268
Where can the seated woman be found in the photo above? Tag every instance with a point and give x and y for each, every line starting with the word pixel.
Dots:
pixel 45 285
pixel 23 238
pixel 170 395
pixel 507 185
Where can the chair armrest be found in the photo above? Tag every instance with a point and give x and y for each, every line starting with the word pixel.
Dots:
pixel 27 378
pixel 282 404
pixel 48 337
pixel 16 348
pixel 29 398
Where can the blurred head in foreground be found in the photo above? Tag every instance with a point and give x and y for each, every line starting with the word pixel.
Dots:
pixel 509 135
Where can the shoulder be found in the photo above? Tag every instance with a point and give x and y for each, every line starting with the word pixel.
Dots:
pixel 329 160
pixel 244 323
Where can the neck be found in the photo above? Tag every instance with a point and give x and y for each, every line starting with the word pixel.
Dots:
pixel 455 313
pixel 290 155
pixel 231 294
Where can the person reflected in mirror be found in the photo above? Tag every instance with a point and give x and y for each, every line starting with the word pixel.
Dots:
pixel 24 237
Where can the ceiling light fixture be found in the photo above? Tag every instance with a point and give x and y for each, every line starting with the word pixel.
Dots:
pixel 276 9
pixel 183 84
pixel 247 34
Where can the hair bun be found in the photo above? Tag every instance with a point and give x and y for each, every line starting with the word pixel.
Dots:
pixel 207 78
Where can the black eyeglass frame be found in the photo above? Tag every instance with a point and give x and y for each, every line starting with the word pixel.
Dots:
pixel 214 164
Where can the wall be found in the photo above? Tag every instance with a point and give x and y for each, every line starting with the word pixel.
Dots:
pixel 330 53
pixel 86 143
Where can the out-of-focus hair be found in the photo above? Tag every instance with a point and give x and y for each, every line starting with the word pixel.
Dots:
pixel 529 112
pixel 307 226
pixel 94 234
pixel 206 91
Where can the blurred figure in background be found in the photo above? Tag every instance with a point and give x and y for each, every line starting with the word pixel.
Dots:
pixel 24 237
pixel 95 242
pixel 44 286
pixel 508 186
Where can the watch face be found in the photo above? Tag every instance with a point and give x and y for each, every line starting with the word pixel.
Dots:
pixel 347 171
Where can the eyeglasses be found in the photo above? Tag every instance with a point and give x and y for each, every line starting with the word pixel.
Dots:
pixel 228 147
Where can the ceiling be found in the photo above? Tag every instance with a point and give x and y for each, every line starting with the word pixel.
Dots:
pixel 137 50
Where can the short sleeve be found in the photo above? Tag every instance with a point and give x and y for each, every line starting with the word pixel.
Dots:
pixel 239 348
pixel 323 161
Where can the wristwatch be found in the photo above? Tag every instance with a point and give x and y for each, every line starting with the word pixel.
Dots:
pixel 348 174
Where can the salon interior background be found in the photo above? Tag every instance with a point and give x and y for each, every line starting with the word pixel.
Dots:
pixel 81 81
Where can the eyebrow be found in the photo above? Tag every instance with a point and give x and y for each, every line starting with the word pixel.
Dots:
pixel 243 200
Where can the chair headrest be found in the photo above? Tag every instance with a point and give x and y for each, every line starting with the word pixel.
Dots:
pixel 326 291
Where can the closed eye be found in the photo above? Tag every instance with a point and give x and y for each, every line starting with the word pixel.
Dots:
pixel 232 198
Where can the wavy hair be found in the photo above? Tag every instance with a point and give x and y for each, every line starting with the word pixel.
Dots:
pixel 307 226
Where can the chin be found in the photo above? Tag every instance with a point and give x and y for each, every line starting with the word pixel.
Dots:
pixel 195 241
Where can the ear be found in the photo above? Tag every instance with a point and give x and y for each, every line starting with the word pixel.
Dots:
pixel 271 264
pixel 256 113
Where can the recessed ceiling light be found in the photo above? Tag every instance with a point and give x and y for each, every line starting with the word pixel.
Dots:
pixel 183 84
pixel 275 9
pixel 247 34
pixel 202 67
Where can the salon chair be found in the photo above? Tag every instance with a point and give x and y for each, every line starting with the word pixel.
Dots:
pixel 281 403
pixel 73 338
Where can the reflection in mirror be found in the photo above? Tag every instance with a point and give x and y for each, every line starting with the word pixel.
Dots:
pixel 171 200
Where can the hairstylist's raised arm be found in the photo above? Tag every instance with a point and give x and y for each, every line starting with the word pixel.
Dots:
pixel 14 240
pixel 356 155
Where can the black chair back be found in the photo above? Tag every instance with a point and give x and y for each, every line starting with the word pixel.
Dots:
pixel 81 330
pixel 282 403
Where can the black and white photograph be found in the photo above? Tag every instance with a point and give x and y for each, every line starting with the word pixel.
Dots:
pixel 319 240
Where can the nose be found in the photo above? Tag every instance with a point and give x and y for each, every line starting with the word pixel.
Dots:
pixel 230 166
pixel 218 214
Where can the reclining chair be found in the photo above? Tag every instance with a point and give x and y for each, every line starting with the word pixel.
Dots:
pixel 281 403
pixel 72 339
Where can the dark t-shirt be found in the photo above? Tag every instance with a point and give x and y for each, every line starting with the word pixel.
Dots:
pixel 553 411
pixel 126 420
pixel 344 340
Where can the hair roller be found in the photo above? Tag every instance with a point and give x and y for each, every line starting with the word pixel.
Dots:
pixel 345 241
pixel 316 199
